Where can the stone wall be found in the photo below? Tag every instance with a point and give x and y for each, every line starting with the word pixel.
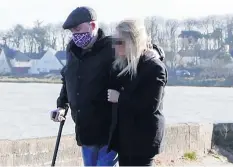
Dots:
pixel 179 139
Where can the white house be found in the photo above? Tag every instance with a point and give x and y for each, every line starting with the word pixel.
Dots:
pixel 61 56
pixel 5 67
pixel 20 60
pixel 47 64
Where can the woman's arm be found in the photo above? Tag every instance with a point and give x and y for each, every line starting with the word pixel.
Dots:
pixel 150 94
pixel 114 82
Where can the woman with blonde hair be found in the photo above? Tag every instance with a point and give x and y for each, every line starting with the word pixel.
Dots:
pixel 137 87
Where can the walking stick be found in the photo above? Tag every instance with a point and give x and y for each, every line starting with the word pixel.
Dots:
pixel 58 139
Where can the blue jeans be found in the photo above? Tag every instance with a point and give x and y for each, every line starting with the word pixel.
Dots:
pixel 98 156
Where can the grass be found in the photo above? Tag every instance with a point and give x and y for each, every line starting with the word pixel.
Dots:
pixel 192 156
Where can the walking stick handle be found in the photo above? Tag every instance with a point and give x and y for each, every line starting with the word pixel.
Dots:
pixel 58 138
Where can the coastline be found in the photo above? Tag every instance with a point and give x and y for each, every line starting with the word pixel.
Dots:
pixel 30 80
pixel 57 80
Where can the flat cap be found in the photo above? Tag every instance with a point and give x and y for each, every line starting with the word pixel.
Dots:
pixel 78 16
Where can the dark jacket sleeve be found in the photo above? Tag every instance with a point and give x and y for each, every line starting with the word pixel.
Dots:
pixel 114 82
pixel 149 95
pixel 62 99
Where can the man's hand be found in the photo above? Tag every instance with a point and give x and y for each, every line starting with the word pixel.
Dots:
pixel 57 115
pixel 113 95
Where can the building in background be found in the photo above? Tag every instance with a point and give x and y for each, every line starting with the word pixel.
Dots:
pixel 5 66
pixel 47 64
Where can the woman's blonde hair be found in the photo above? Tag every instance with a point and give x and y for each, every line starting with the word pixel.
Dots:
pixel 134 34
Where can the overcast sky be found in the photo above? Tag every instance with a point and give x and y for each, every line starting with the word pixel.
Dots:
pixel 27 11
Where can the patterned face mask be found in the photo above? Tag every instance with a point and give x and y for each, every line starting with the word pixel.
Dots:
pixel 82 39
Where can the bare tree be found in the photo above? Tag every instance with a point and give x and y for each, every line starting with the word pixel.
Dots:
pixel 205 24
pixel 190 24
pixel 171 30
pixel 171 27
pixel 217 25
pixel 152 28
pixel 6 38
pixel 52 35
pixel 64 36
pixel 216 22
pixel 40 36
pixel 29 41
pixel 18 33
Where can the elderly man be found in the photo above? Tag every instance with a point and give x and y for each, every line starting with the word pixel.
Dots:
pixel 85 82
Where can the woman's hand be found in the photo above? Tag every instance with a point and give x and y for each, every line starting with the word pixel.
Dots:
pixel 113 96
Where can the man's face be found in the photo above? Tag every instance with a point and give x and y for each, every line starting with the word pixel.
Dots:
pixel 84 27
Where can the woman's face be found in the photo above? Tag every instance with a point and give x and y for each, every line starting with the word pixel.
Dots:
pixel 119 45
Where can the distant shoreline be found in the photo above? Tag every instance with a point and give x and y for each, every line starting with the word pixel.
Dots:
pixel 57 80
pixel 30 80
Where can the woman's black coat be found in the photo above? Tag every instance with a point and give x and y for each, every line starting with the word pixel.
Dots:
pixel 138 123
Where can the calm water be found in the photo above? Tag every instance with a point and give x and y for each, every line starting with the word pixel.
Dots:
pixel 24 108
